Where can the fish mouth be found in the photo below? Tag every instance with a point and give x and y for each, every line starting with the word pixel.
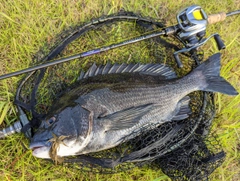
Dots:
pixel 34 146
pixel 40 150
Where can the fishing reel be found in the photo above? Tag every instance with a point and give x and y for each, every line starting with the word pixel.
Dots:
pixel 192 23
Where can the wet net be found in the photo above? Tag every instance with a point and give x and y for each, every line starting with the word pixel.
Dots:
pixel 183 150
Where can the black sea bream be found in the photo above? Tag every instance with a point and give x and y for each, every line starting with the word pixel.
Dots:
pixel 110 102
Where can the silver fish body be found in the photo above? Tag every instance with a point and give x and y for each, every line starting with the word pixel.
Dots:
pixel 106 107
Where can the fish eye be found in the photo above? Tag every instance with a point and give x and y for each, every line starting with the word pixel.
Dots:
pixel 51 120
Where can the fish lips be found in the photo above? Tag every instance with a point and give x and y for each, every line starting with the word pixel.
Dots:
pixel 40 149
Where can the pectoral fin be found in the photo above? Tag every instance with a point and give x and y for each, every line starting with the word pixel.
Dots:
pixel 125 119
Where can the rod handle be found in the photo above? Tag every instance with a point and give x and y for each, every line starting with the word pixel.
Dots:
pixel 214 18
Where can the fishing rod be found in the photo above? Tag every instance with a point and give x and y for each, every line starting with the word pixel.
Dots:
pixel 190 30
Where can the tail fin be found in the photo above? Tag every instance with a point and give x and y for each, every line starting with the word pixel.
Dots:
pixel 215 83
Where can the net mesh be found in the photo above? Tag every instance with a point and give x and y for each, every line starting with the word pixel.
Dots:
pixel 184 150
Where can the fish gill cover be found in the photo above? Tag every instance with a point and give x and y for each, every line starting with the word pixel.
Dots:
pixel 184 150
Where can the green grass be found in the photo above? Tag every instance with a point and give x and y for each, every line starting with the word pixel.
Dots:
pixel 27 25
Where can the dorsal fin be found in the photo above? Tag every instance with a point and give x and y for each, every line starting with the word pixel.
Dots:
pixel 150 69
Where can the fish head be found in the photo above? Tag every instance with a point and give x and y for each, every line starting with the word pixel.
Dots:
pixel 62 134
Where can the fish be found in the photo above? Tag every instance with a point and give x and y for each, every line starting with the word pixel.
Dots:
pixel 108 103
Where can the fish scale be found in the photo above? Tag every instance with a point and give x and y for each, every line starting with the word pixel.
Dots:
pixel 116 101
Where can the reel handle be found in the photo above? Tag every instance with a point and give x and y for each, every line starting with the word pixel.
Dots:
pixel 178 60
pixel 219 42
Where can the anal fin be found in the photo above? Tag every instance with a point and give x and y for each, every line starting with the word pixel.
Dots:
pixel 183 109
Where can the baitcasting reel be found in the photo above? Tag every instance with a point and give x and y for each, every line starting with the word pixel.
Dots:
pixel 192 23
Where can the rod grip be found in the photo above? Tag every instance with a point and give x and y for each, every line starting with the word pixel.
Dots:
pixel 214 18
